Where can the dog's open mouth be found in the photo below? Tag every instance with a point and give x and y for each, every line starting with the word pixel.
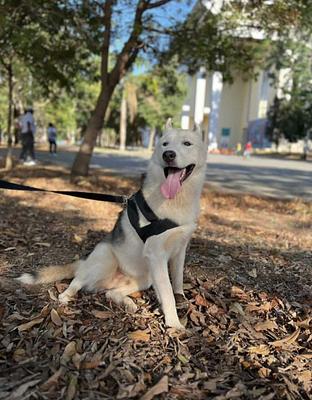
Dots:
pixel 174 179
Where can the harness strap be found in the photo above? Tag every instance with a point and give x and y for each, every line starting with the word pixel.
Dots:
pixel 156 226
pixel 144 207
pixel 84 195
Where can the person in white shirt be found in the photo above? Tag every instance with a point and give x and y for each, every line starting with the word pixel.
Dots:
pixel 52 133
pixel 28 129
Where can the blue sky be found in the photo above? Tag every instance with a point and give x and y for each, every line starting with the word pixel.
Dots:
pixel 168 15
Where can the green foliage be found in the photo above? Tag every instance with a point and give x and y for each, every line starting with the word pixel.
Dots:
pixel 69 111
pixel 161 95
pixel 209 40
pixel 221 41
pixel 291 115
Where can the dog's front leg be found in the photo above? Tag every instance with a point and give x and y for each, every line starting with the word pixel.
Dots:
pixel 176 270
pixel 160 277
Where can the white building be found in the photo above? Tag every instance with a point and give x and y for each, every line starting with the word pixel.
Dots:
pixel 230 113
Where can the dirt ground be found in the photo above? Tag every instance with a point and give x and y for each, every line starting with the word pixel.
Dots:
pixel 248 284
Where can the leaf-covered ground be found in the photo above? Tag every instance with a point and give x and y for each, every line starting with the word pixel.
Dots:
pixel 248 284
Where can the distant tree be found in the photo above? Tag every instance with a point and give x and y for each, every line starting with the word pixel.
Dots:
pixel 128 108
pixel 222 36
pixel 37 34
pixel 161 94
pixel 143 33
pixel 290 115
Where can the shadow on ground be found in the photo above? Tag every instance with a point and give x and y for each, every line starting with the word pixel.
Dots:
pixel 248 312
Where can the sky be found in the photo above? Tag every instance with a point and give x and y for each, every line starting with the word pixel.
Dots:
pixel 168 15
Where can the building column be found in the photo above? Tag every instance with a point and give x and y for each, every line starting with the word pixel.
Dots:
pixel 200 94
pixel 216 91
pixel 185 119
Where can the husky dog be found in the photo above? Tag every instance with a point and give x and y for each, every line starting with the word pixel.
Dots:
pixel 151 234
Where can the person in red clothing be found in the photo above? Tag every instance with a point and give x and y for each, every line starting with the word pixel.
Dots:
pixel 248 149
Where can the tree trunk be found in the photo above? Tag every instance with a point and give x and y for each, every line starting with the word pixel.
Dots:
pixel 109 80
pixel 123 122
pixel 9 156
pixel 151 139
pixel 95 125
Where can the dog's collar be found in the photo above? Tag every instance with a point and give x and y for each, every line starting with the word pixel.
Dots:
pixel 156 225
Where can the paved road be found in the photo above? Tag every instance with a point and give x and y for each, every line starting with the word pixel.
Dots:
pixel 272 177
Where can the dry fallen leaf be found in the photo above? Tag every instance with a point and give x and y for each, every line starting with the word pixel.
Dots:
pixel 266 325
pixel 102 314
pixel 130 391
pixel 287 340
pixel 264 372
pixel 160 387
pixel 53 294
pixel 19 392
pixel 239 293
pixel 77 238
pixel 201 301
pixel 10 248
pixel 95 361
pixel 262 349
pixel 56 319
pixel 253 273
pixel 19 355
pixel 305 377
pixel 43 244
pixel 53 380
pixel 72 387
pixel 69 351
pixel 266 306
pixel 182 358
pixel 29 325
pixel 139 336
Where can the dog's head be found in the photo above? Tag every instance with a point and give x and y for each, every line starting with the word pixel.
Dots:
pixel 181 154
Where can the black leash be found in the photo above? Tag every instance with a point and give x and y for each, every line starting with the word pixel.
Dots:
pixel 136 202
pixel 83 195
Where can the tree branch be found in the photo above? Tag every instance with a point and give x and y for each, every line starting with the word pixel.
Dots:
pixel 123 60
pixel 160 31
pixel 107 19
pixel 157 4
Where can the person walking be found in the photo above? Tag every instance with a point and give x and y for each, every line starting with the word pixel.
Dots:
pixel 248 150
pixel 28 129
pixel 238 149
pixel 52 133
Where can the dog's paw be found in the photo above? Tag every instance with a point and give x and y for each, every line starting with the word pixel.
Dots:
pixel 176 324
pixel 181 301
pixel 130 305
pixel 64 298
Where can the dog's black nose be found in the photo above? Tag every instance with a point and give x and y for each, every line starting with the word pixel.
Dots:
pixel 169 156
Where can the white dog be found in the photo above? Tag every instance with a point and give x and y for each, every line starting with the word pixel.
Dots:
pixel 150 237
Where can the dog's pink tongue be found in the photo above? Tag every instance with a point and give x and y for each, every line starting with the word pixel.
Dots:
pixel 172 185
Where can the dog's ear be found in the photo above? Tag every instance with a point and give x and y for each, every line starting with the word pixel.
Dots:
pixel 201 132
pixel 197 128
pixel 168 124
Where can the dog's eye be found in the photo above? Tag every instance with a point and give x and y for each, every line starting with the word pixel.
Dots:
pixel 165 144
pixel 186 143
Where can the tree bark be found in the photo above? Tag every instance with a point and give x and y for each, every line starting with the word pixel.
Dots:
pixel 9 156
pixel 109 80
pixel 95 125
pixel 123 122
pixel 151 139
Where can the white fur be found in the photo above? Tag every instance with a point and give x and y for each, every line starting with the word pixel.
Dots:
pixel 125 266
pixel 27 279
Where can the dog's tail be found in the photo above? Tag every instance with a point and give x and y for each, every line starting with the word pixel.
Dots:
pixel 49 274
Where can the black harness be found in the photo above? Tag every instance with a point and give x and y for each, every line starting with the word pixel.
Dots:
pixel 156 225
